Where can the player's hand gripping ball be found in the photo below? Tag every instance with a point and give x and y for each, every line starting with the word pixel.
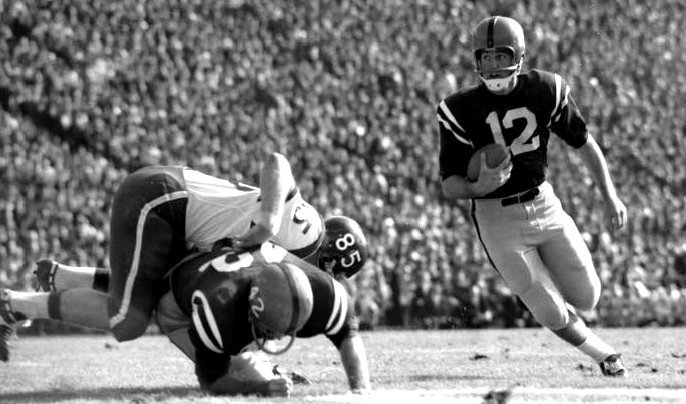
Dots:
pixel 495 154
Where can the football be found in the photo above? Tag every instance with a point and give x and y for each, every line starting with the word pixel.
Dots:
pixel 495 154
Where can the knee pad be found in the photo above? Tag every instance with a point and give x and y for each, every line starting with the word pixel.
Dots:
pixel 131 326
pixel 546 305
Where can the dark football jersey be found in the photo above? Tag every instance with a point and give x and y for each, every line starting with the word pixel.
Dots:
pixel 522 120
pixel 212 289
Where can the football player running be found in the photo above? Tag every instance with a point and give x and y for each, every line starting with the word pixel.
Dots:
pixel 159 215
pixel 532 243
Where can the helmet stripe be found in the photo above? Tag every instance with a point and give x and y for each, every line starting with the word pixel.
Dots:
pixel 489 32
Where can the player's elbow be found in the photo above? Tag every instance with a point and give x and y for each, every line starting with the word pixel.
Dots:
pixel 276 159
pixel 278 168
pixel 450 190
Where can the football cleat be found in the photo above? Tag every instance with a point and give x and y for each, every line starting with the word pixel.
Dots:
pixel 612 366
pixel 5 334
pixel 45 272
pixel 7 320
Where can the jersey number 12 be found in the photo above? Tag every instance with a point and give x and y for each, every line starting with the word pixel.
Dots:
pixel 526 141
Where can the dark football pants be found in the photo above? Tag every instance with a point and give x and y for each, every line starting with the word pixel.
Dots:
pixel 147 237
pixel 538 251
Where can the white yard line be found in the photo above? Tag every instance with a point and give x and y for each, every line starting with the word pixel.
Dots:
pixel 519 395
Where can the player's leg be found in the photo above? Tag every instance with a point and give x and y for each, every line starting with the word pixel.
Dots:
pixel 81 307
pixel 144 241
pixel 522 268
pixel 514 256
pixel 147 237
pixel 570 265
pixel 52 276
pixel 569 261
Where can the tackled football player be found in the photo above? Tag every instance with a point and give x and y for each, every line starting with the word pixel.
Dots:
pixel 229 299
pixel 532 243
pixel 159 215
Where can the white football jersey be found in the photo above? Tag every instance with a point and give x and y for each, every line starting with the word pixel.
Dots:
pixel 218 209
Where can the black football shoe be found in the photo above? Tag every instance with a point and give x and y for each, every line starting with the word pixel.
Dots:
pixel 612 366
pixel 45 272
pixel 7 320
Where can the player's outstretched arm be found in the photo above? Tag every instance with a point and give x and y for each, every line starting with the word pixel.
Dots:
pixel 354 360
pixel 276 181
pixel 595 162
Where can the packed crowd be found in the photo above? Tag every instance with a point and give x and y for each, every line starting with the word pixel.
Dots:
pixel 90 91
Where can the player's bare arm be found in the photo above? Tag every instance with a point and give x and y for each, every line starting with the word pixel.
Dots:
pixel 276 181
pixel 354 360
pixel 615 210
pixel 490 179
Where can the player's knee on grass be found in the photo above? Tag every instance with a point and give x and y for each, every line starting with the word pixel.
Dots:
pixel 546 305
pixel 133 326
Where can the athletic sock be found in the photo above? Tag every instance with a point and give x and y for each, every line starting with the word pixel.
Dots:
pixel 29 305
pixel 580 336
pixel 73 277
pixel 596 348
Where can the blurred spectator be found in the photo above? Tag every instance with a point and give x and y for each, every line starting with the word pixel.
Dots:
pixel 90 91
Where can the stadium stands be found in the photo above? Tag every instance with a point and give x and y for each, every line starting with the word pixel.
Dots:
pixel 90 91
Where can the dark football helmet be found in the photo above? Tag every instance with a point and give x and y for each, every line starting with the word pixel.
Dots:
pixel 281 302
pixel 344 248
pixel 498 34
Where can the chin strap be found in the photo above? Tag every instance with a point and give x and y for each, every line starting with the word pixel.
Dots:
pixel 499 85
pixel 502 84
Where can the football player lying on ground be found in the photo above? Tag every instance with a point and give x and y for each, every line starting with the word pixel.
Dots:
pixel 220 302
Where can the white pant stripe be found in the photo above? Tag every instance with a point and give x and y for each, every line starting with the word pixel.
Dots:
pixel 126 299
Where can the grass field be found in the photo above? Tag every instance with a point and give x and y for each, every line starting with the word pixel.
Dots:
pixel 406 366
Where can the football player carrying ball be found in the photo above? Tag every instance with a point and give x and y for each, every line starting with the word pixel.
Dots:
pixel 531 241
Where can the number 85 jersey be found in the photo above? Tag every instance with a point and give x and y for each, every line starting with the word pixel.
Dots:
pixel 522 120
